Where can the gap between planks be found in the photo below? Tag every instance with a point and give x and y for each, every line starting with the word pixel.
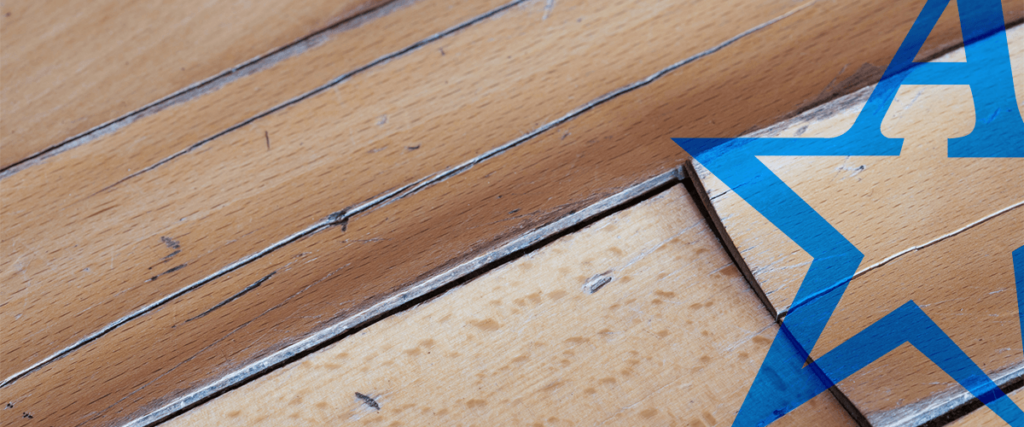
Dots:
pixel 820 111
pixel 419 293
pixel 398 194
pixel 247 68
pixel 334 219
pixel 953 406
pixel 341 217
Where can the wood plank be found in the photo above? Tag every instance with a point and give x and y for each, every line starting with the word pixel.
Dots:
pixel 674 338
pixel 965 284
pixel 69 69
pixel 935 230
pixel 185 200
pixel 63 182
pixel 779 265
pixel 251 91
pixel 233 197
pixel 984 417
pixel 621 142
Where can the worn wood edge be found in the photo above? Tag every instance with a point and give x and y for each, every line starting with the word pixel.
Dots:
pixel 244 69
pixel 208 84
pixel 939 411
pixel 417 293
pixel 820 112
pixel 335 218
pixel 437 177
pixel 1009 383
pixel 963 403
pixel 711 215
pixel 341 217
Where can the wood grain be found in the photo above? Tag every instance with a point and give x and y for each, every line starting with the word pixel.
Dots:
pixel 933 229
pixel 68 69
pixel 675 338
pixel 899 213
pixel 235 197
pixel 965 284
pixel 414 116
pixel 250 92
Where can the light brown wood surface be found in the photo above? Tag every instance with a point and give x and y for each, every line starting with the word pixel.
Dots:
pixel 253 91
pixel 93 253
pixel 233 197
pixel 146 142
pixel 965 284
pixel 675 338
pixel 935 230
pixel 68 67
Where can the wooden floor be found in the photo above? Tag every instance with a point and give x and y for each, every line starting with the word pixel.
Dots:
pixel 470 211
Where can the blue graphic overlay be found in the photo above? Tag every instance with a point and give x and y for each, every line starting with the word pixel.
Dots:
pixel 783 382
pixel 1018 272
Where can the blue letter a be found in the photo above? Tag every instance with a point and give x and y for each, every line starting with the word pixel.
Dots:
pixel 999 129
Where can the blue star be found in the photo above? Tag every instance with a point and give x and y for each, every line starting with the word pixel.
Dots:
pixel 783 382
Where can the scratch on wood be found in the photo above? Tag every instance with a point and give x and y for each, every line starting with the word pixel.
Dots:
pixel 171 243
pixel 171 255
pixel 597 281
pixel 171 270
pixel 233 297
pixel 267 136
pixel 368 401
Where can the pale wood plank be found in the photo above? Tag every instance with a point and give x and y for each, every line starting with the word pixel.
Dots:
pixel 252 91
pixel 620 143
pixel 68 68
pixel 962 278
pixel 938 113
pixel 186 199
pixel 966 285
pixel 382 129
pixel 675 338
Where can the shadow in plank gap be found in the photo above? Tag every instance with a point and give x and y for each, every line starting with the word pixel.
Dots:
pixel 330 152
pixel 675 336
pixel 225 201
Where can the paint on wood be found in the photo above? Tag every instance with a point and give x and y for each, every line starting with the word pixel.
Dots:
pixel 208 198
pixel 933 229
pixel 328 275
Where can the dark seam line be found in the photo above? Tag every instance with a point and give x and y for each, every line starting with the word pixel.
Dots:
pixel 677 178
pixel 696 191
pixel 186 92
pixel 336 218
pixel 328 85
pixel 341 217
pixel 233 297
